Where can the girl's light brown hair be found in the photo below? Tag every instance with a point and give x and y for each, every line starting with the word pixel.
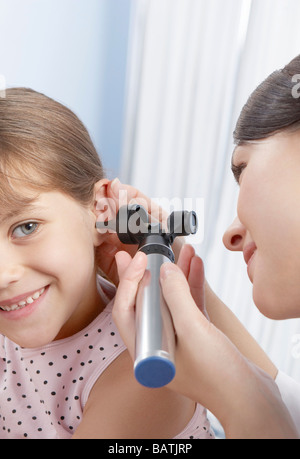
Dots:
pixel 43 147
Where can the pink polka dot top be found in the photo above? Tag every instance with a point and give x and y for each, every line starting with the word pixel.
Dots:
pixel 43 391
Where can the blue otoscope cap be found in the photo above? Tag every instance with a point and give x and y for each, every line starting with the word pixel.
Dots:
pixel 154 371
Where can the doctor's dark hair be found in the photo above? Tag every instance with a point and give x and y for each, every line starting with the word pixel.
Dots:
pixel 272 107
pixel 45 147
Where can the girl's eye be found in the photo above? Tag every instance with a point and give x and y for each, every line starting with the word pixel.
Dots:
pixel 25 229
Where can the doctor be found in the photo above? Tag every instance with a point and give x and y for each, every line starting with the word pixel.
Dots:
pixel 218 363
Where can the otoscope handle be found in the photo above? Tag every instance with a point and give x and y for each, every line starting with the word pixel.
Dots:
pixel 155 339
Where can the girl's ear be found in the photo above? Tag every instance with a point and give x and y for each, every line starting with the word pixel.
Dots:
pixel 104 207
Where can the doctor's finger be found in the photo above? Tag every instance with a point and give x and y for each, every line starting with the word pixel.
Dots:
pixel 131 272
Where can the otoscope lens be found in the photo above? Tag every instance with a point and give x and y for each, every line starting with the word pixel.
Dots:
pixel 191 223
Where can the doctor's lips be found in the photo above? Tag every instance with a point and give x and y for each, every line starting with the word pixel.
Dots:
pixel 19 302
pixel 248 251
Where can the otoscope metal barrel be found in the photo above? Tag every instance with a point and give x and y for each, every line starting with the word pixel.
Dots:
pixel 154 364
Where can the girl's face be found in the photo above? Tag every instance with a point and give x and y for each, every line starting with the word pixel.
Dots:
pixel 47 270
pixel 267 229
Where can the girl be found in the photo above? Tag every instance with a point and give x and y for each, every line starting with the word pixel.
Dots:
pixel 266 165
pixel 64 370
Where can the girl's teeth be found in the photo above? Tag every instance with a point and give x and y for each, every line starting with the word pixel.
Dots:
pixel 23 303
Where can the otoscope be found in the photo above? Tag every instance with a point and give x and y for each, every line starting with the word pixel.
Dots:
pixel 154 364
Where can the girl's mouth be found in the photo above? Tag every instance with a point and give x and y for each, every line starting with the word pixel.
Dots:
pixel 25 302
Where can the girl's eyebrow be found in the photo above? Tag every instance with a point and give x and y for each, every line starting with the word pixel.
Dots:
pixel 19 212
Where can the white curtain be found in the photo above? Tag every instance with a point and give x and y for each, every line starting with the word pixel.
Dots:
pixel 192 66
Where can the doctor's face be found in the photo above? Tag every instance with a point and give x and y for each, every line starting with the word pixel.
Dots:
pixel 267 228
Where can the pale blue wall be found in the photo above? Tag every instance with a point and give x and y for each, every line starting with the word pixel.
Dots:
pixel 74 51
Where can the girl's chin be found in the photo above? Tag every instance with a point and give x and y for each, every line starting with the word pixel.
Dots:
pixel 34 341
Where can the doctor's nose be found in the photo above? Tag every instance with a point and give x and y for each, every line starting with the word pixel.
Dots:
pixel 234 236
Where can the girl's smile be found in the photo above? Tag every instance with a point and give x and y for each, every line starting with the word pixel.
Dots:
pixel 23 304
pixel 21 300
pixel 49 246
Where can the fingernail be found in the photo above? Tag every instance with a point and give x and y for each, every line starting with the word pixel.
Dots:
pixel 167 269
pixel 115 186
pixel 139 259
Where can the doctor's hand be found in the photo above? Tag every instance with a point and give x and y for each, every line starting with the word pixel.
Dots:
pixel 110 197
pixel 209 368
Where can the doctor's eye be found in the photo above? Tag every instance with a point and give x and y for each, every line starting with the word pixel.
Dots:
pixel 237 171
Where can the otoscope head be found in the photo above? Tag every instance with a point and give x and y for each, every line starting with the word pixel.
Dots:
pixel 182 223
pixel 132 225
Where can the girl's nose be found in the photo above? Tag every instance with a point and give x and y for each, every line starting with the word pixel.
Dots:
pixel 11 270
pixel 9 276
pixel 234 236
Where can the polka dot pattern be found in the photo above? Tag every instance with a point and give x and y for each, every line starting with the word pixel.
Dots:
pixel 43 391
